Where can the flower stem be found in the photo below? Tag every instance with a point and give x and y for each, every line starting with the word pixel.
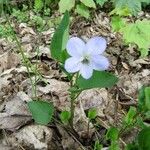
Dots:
pixel 72 108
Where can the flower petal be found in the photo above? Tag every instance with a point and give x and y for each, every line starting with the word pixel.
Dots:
pixel 75 46
pixel 100 62
pixel 86 71
pixel 72 65
pixel 96 45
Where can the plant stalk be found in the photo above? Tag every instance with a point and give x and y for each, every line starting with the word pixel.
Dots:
pixel 25 59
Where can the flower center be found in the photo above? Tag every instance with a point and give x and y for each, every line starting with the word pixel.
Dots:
pixel 86 60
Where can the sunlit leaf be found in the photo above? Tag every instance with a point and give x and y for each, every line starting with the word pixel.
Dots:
pixel 137 33
pixel 89 3
pixel 101 2
pixel 129 118
pixel 38 5
pixel 117 23
pixel 134 6
pixel 66 5
pixel 65 116
pixel 82 10
pixel 112 134
pixel 92 113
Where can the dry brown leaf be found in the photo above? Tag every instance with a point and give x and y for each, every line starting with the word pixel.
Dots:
pixel 26 39
pixel 68 141
pixel 8 60
pixel 131 83
pixel 94 98
pixel 4 82
pixel 25 29
pixel 4 147
pixel 81 123
pixel 36 135
pixel 58 92
pixel 14 113
pixel 139 62
pixel 32 137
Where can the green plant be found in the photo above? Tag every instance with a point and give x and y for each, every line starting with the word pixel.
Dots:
pixel 78 64
pixel 5 31
pixel 81 7
pixel 42 4
pixel 3 5
pixel 134 119
pixel 42 112
pixel 113 135
pixel 59 53
pixel 38 22
pixel 21 16
pixel 65 117
pixel 97 145
pixel 137 33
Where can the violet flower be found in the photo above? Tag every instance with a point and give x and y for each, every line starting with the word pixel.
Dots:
pixel 86 57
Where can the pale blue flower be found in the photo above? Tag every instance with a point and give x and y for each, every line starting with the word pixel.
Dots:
pixel 86 57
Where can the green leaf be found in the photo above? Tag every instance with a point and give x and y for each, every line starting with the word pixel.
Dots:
pixel 144 139
pixel 129 118
pixel 134 6
pixel 117 23
pixel 147 97
pixel 131 147
pixel 82 10
pixel 101 2
pixel 141 100
pixel 146 1
pixel 139 122
pixel 114 146
pixel 92 113
pixel 65 116
pixel 100 79
pixel 66 5
pixel 48 2
pixel 42 112
pixel 137 33
pixel 112 134
pixel 144 99
pixel 120 12
pixel 147 115
pixel 97 145
pixel 89 3
pixel 64 55
pixel 38 5
pixel 60 38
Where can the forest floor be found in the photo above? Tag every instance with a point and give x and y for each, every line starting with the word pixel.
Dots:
pixel 17 128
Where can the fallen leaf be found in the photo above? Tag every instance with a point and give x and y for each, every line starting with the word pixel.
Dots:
pixel 32 137
pixel 8 60
pixel 58 92
pixel 94 98
pixel 36 135
pixel 14 113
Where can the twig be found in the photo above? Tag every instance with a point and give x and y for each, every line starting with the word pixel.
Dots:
pixel 67 129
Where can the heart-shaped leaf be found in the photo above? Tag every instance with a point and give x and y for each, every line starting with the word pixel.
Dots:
pixel 42 112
